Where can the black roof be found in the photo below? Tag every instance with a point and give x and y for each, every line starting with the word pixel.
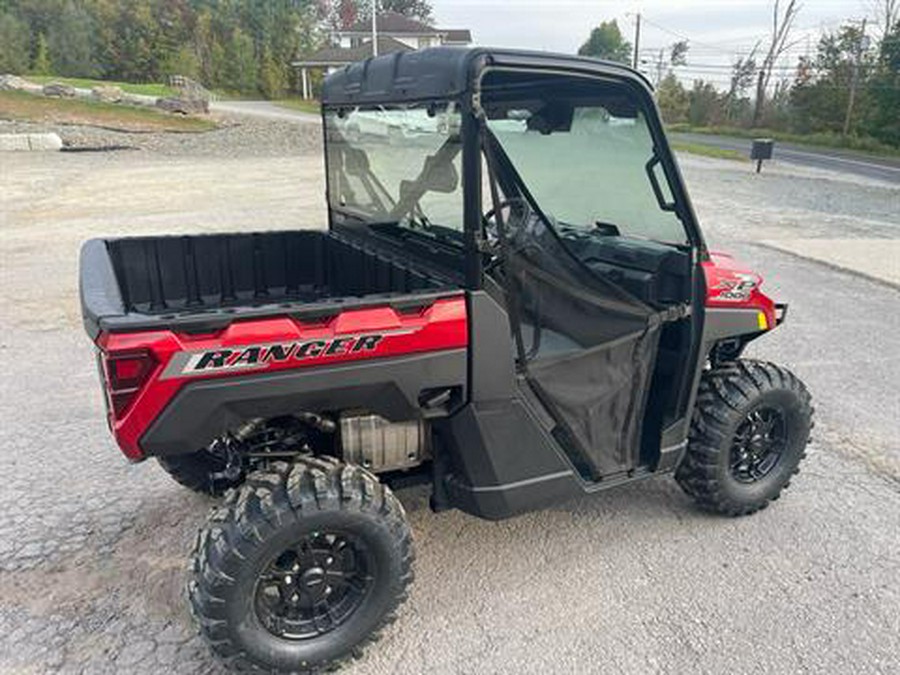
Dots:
pixel 445 72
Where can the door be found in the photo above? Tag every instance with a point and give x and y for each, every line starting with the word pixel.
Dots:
pixel 592 251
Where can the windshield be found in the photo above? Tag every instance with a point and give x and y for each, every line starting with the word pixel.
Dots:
pixel 396 167
pixel 585 153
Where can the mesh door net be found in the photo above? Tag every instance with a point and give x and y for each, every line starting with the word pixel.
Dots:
pixel 590 349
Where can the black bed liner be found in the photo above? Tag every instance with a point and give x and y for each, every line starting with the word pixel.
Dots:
pixel 204 282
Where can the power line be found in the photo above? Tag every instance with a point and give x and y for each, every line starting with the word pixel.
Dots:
pixel 740 50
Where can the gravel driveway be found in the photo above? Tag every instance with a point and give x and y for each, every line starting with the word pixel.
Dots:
pixel 93 550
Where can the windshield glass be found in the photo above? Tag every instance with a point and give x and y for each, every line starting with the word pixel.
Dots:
pixel 396 167
pixel 585 153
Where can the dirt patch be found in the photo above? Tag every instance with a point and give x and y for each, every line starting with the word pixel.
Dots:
pixel 17 105
pixel 234 136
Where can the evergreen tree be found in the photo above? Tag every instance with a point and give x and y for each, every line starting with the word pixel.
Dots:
pixel 13 45
pixel 41 64
pixel 70 41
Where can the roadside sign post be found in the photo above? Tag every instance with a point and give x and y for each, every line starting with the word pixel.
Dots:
pixel 761 149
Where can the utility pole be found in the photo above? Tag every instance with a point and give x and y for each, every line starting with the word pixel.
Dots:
pixel 660 65
pixel 854 78
pixel 637 41
pixel 374 27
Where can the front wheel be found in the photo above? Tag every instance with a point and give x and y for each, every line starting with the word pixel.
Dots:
pixel 300 567
pixel 748 435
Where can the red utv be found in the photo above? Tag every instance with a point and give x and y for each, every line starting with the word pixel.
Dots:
pixel 513 304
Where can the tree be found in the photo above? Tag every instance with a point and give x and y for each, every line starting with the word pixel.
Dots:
pixel 742 72
pixel 819 97
pixel 678 53
pixel 705 105
pixel 672 99
pixel 13 45
pixel 71 42
pixel 778 45
pixel 272 78
pixel 240 69
pixel 414 9
pixel 131 48
pixel 184 61
pixel 420 10
pixel 887 14
pixel 41 64
pixel 884 91
pixel 208 47
pixel 606 42
pixel 676 56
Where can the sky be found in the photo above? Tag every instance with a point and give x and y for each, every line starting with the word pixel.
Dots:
pixel 719 31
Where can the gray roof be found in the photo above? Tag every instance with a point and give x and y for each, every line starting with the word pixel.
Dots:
pixel 457 35
pixel 340 55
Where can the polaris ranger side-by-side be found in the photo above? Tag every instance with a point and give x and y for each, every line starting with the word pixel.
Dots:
pixel 513 304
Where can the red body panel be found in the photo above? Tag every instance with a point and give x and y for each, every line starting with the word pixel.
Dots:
pixel 730 284
pixel 278 343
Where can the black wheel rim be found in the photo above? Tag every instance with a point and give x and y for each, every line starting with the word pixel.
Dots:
pixel 758 444
pixel 314 586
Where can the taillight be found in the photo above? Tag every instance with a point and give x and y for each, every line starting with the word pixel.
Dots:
pixel 126 373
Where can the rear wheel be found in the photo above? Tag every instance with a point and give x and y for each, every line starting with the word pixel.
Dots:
pixel 749 433
pixel 202 471
pixel 300 567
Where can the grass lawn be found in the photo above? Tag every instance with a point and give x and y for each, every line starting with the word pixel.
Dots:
pixel 708 151
pixel 866 145
pixel 158 90
pixel 300 104
pixel 19 105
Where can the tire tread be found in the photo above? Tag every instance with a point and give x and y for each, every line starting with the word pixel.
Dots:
pixel 724 392
pixel 269 498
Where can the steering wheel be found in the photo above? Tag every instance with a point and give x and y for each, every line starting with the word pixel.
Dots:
pixel 492 236
pixel 491 212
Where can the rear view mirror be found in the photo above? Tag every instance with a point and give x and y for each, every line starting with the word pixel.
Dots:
pixel 555 116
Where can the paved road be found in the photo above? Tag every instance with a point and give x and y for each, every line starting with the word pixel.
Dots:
pixel 636 580
pixel 886 169
pixel 881 168
pixel 264 109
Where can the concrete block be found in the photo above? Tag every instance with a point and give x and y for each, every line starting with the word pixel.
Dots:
pixel 30 142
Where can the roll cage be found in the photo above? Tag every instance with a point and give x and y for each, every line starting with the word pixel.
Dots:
pixel 454 75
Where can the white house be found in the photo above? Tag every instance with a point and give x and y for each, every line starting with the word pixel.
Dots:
pixel 395 33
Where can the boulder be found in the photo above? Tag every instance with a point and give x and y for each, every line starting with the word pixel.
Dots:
pixel 184 106
pixel 11 82
pixel 107 93
pixel 59 90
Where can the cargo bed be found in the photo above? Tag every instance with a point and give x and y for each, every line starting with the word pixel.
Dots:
pixel 204 282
